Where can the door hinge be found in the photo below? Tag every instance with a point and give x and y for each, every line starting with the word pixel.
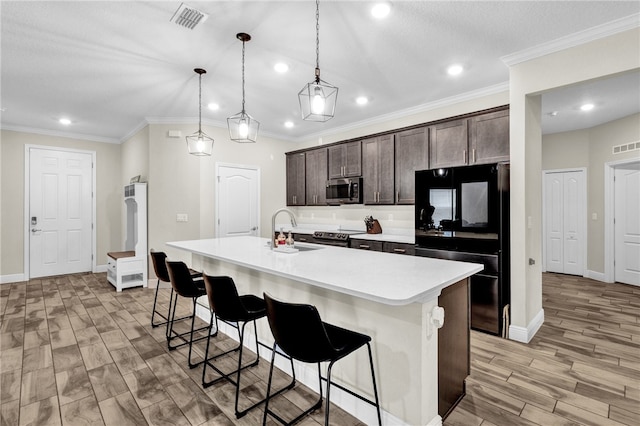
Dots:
pixel 91 257
pixel 92 226
pixel 218 179
pixel 218 221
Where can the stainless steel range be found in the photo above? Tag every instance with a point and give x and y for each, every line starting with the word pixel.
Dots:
pixel 334 238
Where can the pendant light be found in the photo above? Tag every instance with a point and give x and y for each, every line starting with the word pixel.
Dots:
pixel 242 127
pixel 199 143
pixel 318 98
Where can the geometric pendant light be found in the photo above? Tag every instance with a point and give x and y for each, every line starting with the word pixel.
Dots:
pixel 199 143
pixel 243 128
pixel 318 98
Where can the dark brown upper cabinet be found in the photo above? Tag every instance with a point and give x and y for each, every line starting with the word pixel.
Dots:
pixel 448 146
pixel 296 175
pixel 489 138
pixel 412 153
pixel 345 160
pixel 316 177
pixel 378 170
pixel 482 139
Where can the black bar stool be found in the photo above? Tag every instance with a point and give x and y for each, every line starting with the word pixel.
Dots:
pixel 301 334
pixel 159 266
pixel 227 306
pixel 184 286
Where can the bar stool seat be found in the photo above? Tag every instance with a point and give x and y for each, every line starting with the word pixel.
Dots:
pixel 227 306
pixel 158 259
pixel 299 332
pixel 185 286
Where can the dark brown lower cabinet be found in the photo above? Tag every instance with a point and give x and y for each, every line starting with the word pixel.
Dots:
pixel 453 346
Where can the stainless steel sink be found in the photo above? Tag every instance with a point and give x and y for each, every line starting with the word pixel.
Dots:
pixel 307 248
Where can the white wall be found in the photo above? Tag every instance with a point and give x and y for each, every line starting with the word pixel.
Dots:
pixel 602 57
pixel 108 195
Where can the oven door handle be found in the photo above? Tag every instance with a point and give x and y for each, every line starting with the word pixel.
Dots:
pixel 350 189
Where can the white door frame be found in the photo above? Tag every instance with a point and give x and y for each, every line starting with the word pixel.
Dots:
pixel 583 209
pixel 27 199
pixel 609 214
pixel 217 189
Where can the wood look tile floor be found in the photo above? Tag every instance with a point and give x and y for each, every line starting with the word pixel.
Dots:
pixel 581 368
pixel 75 352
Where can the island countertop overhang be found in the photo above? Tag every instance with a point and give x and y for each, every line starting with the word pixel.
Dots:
pixel 385 278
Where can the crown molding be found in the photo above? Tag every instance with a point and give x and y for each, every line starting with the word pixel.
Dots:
pixel 595 33
pixel 440 103
pixel 54 133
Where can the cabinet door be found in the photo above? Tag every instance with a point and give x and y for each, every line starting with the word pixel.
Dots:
pixel 353 159
pixel 336 154
pixel 411 154
pixel 345 160
pixel 489 138
pixel 295 179
pixel 316 177
pixel 399 248
pixel 448 145
pixel 365 244
pixel 377 170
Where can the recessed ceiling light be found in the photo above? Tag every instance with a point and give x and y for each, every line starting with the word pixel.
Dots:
pixel 288 124
pixel 281 67
pixel 362 100
pixel 64 121
pixel 587 107
pixel 381 10
pixel 455 69
pixel 213 106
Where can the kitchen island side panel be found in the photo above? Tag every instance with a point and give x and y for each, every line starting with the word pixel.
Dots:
pixel 405 358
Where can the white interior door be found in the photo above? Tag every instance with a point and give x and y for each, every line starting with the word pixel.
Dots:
pixel 627 225
pixel 60 212
pixel 238 201
pixel 565 210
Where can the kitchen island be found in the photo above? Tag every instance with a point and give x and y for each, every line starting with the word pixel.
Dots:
pixel 391 298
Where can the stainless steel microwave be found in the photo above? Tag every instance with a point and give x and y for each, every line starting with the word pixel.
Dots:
pixel 344 191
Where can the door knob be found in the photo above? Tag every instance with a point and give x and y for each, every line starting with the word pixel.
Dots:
pixel 255 228
pixel 34 230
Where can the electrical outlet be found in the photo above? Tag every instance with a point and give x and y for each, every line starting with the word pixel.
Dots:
pixel 182 217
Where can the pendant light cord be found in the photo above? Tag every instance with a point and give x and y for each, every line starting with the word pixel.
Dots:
pixel 200 105
pixel 243 77
pixel 317 41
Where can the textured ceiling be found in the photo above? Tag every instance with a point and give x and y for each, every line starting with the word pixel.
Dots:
pixel 112 66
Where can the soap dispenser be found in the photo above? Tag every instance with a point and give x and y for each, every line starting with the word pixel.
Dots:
pixel 289 240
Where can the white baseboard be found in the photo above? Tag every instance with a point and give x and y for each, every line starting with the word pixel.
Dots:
pixel 598 276
pixel 13 278
pixel 308 375
pixel 524 335
pixel 101 268
pixel 436 421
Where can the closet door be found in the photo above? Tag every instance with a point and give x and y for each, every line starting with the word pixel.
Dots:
pixel 564 218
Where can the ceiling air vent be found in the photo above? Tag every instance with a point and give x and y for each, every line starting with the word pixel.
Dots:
pixel 633 146
pixel 188 17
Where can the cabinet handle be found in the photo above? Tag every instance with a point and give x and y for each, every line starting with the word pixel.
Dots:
pixel 464 155
pixel 364 246
pixel 397 196
pixel 399 250
pixel 473 155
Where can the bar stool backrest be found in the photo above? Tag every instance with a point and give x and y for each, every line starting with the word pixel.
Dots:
pixel 159 266
pixel 180 278
pixel 299 331
pixel 223 298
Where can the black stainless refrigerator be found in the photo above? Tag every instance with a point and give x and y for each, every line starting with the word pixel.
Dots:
pixel 462 213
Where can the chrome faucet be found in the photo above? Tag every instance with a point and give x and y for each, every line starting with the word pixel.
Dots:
pixel 273 223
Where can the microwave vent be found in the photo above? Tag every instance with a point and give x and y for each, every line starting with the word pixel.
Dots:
pixel 188 17
pixel 626 147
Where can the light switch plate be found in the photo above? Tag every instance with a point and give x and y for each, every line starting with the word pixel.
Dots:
pixel 182 217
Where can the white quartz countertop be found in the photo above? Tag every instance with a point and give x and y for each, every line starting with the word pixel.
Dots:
pixel 381 277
